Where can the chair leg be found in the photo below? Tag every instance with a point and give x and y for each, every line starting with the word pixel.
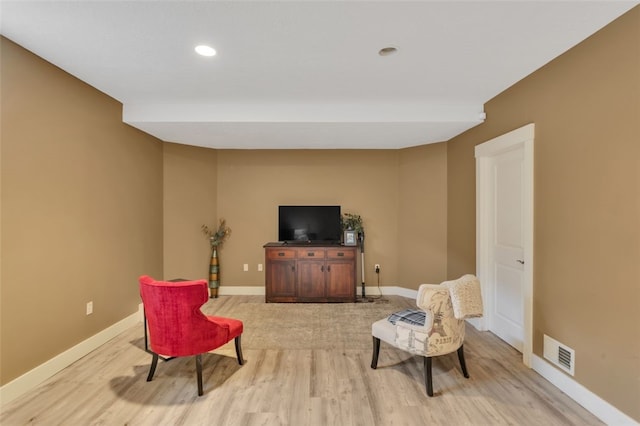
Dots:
pixel 463 365
pixel 376 352
pixel 199 373
pixel 239 350
pixel 427 375
pixel 154 364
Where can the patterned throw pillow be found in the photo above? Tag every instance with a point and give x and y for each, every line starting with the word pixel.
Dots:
pixel 411 316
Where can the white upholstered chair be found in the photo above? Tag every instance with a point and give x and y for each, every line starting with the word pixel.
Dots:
pixel 436 328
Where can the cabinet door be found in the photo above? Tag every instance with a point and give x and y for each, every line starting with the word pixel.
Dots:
pixel 341 281
pixel 281 279
pixel 311 276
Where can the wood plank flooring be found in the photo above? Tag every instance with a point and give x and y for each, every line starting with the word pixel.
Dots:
pixel 315 383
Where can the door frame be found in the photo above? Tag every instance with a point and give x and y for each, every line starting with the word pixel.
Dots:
pixel 521 138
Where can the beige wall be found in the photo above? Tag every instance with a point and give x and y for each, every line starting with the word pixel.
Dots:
pixel 252 184
pixel 586 108
pixel 422 216
pixel 81 211
pixel 400 194
pixel 190 192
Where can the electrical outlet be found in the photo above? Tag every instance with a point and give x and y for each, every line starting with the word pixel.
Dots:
pixel 245 267
pixel 376 268
pixel 259 267
pixel 89 308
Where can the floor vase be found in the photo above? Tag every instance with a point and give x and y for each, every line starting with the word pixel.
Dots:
pixel 214 273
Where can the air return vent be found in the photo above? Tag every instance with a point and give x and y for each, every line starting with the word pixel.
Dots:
pixel 560 355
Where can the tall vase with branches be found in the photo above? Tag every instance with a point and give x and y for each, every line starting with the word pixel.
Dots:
pixel 216 238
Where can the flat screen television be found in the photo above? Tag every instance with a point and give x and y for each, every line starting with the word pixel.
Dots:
pixel 309 224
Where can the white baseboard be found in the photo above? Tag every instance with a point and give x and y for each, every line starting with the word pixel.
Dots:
pixel 241 290
pixel 369 291
pixel 387 291
pixel 32 378
pixel 583 396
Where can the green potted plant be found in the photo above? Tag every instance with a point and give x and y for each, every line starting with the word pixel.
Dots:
pixel 352 229
pixel 352 222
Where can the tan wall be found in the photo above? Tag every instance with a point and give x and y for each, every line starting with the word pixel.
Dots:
pixel 252 184
pixel 586 108
pixel 190 192
pixel 400 194
pixel 81 211
pixel 422 215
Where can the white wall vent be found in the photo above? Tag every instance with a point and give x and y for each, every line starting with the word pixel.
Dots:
pixel 560 355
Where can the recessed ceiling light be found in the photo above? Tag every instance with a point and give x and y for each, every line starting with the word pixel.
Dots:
pixel 205 50
pixel 386 51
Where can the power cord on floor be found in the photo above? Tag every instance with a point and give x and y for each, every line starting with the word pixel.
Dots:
pixel 378 298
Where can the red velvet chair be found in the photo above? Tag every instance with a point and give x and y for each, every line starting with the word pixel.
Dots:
pixel 177 327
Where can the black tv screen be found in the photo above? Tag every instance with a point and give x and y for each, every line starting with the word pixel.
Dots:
pixel 305 224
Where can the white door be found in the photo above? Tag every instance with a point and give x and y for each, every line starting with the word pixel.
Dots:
pixel 504 239
pixel 507 318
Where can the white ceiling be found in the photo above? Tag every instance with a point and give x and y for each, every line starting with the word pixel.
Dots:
pixel 303 74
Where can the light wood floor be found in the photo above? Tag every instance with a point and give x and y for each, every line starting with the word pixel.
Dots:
pixel 314 385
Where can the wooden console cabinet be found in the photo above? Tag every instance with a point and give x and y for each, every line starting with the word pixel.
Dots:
pixel 309 273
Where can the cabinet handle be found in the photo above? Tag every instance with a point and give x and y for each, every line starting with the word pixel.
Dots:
pixel 293 268
pixel 281 254
pixel 329 268
pixel 311 254
pixel 322 268
pixel 340 254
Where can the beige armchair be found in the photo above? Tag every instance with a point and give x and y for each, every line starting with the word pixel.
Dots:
pixel 437 328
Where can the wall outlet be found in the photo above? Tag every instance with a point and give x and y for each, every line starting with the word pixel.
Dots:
pixel 245 267
pixel 89 308
pixel 376 268
pixel 259 267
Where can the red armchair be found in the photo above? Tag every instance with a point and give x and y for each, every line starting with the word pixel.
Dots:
pixel 177 327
